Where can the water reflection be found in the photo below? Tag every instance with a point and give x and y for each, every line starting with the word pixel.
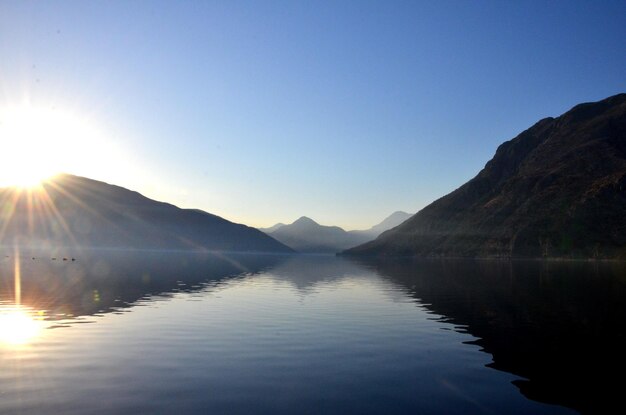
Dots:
pixel 101 281
pixel 561 326
pixel 317 321
pixel 19 325
pixel 307 272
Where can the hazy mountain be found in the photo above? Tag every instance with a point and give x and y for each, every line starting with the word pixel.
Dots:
pixel 73 211
pixel 558 189
pixel 272 228
pixel 391 221
pixel 306 235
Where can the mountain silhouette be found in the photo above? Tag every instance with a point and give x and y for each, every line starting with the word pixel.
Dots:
pixel 556 190
pixel 391 221
pixel 76 212
pixel 306 235
pixel 272 228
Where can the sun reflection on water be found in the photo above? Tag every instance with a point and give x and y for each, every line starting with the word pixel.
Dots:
pixel 19 325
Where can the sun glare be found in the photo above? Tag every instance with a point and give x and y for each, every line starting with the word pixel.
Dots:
pixel 17 326
pixel 38 143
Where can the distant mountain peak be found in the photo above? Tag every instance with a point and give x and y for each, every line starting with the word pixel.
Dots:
pixel 306 235
pixel 272 228
pixel 391 221
pixel 304 220
pixel 399 213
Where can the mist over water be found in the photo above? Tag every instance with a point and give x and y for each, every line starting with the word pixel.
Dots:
pixel 133 332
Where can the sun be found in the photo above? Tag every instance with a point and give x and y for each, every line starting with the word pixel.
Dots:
pixel 37 143
pixel 17 326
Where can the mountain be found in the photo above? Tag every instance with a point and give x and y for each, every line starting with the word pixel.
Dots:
pixel 558 190
pixel 72 211
pixel 306 235
pixel 272 228
pixel 391 221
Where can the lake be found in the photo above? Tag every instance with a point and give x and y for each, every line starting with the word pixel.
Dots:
pixel 166 332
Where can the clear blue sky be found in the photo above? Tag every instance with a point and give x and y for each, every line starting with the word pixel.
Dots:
pixel 263 111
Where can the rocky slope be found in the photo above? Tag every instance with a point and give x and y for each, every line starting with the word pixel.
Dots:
pixel 558 190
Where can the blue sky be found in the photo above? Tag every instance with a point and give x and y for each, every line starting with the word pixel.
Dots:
pixel 264 111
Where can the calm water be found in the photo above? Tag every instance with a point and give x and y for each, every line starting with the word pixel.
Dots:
pixel 130 333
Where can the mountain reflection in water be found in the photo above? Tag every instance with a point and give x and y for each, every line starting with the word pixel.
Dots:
pixel 558 326
pixel 104 281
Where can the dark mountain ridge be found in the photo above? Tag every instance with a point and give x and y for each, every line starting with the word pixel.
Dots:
pixel 72 211
pixel 558 189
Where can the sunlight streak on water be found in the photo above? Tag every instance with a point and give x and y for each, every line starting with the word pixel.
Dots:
pixel 19 325
pixel 17 276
